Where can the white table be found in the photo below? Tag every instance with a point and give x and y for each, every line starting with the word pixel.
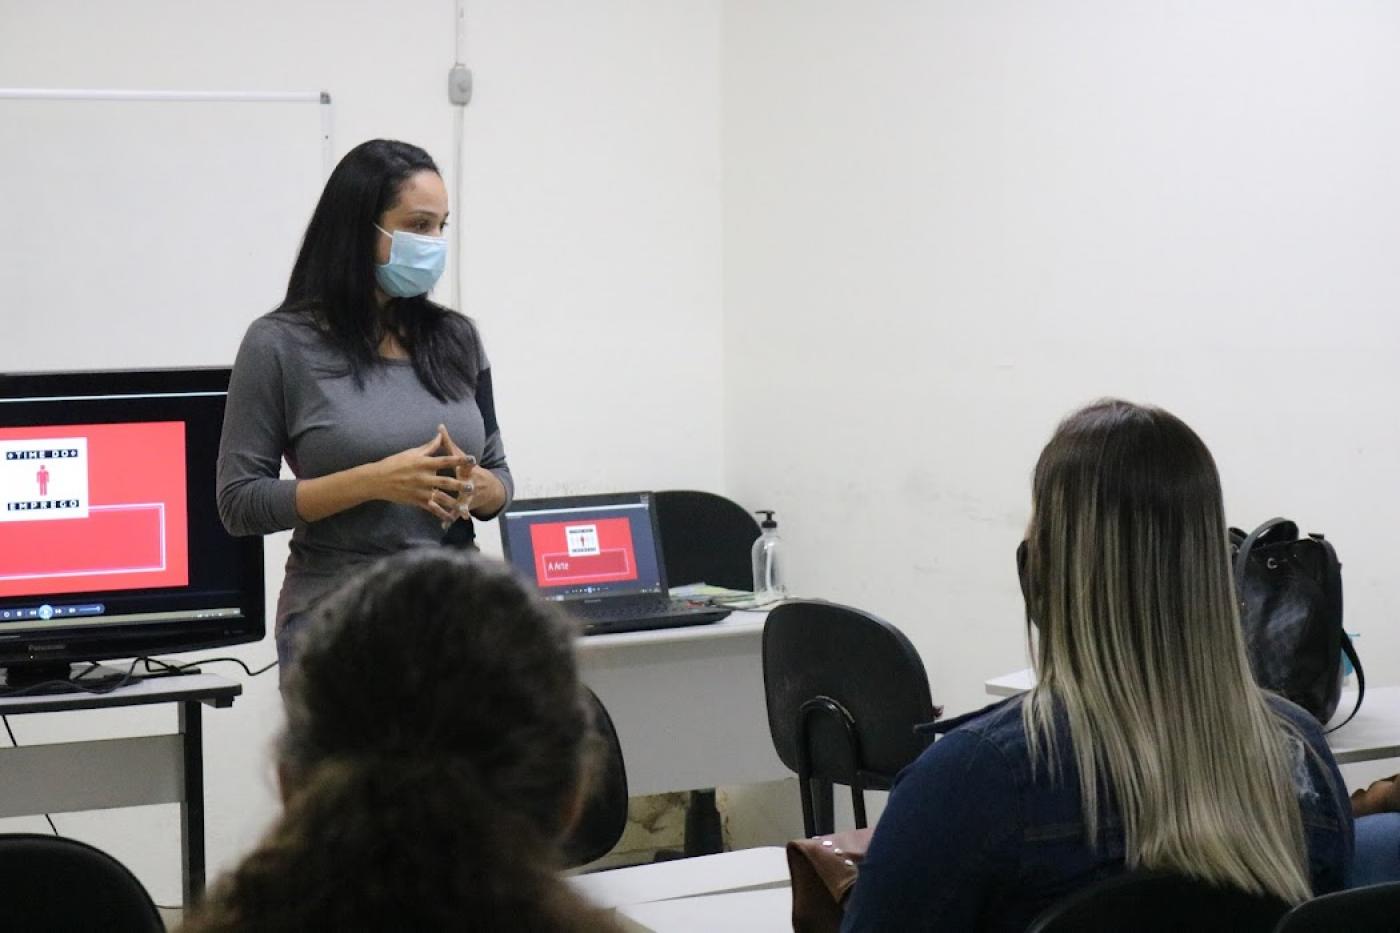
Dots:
pixel 62 777
pixel 687 703
pixel 1373 734
pixel 1011 685
pixel 740 870
pixel 767 911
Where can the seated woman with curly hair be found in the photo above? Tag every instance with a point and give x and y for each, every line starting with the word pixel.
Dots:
pixel 437 741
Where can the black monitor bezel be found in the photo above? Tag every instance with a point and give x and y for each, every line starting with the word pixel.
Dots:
pixel 144 638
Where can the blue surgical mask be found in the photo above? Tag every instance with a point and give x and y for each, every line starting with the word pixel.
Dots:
pixel 415 263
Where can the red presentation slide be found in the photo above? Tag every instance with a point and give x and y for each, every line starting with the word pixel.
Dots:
pixel 85 508
pixel 583 552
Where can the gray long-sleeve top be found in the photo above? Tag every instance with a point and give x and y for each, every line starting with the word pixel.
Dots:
pixel 291 396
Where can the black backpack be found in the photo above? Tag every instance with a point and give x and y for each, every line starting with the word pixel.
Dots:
pixel 1290 591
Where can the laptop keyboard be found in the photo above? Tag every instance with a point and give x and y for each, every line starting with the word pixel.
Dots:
pixel 604 611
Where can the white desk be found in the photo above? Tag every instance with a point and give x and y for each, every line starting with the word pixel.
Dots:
pixel 125 772
pixel 687 703
pixel 767 911
pixel 745 891
pixel 1011 685
pixel 740 870
pixel 1372 735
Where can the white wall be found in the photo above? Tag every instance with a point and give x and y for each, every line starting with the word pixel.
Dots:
pixel 144 218
pixel 593 238
pixel 591 217
pixel 938 227
pixel 948 224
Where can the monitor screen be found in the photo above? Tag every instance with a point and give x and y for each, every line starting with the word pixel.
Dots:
pixel 110 540
pixel 585 546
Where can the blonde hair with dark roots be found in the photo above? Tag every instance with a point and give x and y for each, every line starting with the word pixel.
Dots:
pixel 436 738
pixel 1128 581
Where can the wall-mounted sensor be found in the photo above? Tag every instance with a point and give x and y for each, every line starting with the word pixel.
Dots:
pixel 459 85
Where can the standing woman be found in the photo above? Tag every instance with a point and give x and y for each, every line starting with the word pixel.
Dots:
pixel 379 399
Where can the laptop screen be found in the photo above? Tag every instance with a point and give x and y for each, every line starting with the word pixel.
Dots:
pixel 584 547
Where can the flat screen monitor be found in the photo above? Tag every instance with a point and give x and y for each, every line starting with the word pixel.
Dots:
pixel 110 539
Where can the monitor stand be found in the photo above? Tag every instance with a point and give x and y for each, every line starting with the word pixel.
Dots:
pixel 37 678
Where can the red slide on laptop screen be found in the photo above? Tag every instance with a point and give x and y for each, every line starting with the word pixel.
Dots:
pixel 586 551
pixel 89 507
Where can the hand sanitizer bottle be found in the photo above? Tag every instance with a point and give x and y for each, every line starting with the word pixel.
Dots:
pixel 768 581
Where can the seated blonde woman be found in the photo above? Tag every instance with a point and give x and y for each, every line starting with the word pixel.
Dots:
pixel 1145 743
pixel 436 747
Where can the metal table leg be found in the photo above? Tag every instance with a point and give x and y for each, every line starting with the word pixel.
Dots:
pixel 192 803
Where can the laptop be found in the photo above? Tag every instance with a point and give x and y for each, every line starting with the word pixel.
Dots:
pixel 600 557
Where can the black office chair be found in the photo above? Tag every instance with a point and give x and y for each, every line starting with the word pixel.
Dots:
pixel 1372 909
pixel 1154 902
pixel 604 815
pixel 706 538
pixel 57 884
pixel 844 691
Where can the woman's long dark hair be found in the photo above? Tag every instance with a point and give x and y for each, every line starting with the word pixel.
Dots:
pixel 1140 653
pixel 436 736
pixel 333 283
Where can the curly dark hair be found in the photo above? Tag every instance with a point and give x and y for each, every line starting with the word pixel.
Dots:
pixel 436 738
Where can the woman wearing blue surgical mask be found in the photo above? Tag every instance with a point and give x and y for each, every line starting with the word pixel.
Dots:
pixel 378 398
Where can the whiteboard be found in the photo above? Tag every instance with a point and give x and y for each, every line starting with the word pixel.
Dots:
pixel 147 233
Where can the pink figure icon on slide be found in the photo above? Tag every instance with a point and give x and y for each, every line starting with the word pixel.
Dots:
pixel 43 477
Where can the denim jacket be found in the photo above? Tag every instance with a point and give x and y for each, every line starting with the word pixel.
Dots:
pixel 970 840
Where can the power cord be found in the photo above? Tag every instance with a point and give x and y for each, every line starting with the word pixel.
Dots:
pixel 165 667
pixel 73 684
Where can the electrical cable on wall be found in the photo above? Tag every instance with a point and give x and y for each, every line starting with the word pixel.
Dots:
pixel 459 94
pixel 458 127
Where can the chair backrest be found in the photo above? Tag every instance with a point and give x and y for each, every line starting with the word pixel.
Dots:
pixel 1153 902
pixel 1372 909
pixel 604 815
pixel 864 666
pixel 706 538
pixel 53 883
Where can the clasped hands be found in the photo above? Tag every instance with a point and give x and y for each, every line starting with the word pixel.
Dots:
pixel 440 478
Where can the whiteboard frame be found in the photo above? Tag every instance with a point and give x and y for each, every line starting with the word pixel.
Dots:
pixel 321 98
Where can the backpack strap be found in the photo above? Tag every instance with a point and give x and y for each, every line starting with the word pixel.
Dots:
pixel 1242 559
pixel 1350 651
pixel 1334 592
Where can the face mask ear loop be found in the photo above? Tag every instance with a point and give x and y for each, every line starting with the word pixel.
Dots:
pixel 411 237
